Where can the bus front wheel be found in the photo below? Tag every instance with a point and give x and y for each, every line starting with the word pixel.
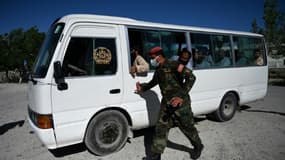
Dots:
pixel 107 133
pixel 227 108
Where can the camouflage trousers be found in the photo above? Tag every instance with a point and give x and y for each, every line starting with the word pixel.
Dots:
pixel 183 118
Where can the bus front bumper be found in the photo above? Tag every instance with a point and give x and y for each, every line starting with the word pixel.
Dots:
pixel 46 136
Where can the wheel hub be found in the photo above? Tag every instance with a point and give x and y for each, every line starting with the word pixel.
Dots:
pixel 109 133
pixel 228 108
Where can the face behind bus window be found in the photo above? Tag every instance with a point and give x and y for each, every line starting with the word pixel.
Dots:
pixel 248 51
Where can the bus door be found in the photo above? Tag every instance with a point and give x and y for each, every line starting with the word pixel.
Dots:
pixel 90 62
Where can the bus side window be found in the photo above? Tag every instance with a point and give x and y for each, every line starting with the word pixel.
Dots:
pixel 249 51
pixel 73 64
pixel 202 56
pixel 171 42
pixel 222 50
pixel 90 57
pixel 241 59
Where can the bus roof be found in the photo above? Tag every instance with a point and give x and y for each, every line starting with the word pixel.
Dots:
pixel 73 18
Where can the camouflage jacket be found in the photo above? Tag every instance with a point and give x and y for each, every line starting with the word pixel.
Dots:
pixel 171 82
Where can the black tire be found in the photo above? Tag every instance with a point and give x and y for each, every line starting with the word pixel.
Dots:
pixel 227 108
pixel 107 133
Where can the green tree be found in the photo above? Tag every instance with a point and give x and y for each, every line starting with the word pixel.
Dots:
pixel 270 19
pixel 32 42
pixel 3 51
pixel 17 46
pixel 280 38
pixel 12 50
pixel 254 26
pixel 274 28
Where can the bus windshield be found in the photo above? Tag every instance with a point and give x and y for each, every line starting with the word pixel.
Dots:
pixel 47 50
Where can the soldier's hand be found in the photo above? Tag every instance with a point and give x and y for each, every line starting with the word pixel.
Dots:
pixel 138 87
pixel 176 101
pixel 180 68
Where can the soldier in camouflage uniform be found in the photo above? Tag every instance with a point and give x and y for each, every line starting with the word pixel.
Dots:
pixel 175 104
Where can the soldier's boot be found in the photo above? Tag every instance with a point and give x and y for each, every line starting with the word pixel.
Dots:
pixel 197 151
pixel 154 156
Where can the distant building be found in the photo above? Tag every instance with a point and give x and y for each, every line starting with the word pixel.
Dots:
pixel 276 63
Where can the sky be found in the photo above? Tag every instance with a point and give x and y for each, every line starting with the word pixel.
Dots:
pixel 222 14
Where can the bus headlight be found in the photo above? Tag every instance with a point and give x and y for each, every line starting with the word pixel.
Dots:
pixel 43 121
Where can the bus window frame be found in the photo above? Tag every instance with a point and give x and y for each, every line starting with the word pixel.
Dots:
pixel 262 39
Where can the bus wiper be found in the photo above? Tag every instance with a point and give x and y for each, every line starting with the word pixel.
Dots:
pixel 31 78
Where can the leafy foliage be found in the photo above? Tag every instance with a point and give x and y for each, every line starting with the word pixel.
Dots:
pixel 274 28
pixel 18 46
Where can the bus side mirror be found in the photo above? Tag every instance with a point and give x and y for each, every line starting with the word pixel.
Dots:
pixel 59 76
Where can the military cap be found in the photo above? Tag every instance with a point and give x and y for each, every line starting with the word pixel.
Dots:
pixel 155 51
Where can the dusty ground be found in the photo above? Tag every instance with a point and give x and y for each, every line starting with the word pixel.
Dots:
pixel 256 133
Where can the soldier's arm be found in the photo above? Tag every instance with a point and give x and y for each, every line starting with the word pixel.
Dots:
pixel 189 78
pixel 188 81
pixel 150 84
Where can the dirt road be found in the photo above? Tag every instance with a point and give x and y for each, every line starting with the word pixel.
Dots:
pixel 255 133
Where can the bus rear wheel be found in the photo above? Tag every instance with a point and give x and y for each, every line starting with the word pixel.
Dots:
pixel 106 133
pixel 227 108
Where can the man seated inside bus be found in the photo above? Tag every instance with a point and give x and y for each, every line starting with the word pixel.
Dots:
pixel 200 59
pixel 207 55
pixel 241 60
pixel 223 60
pixel 185 58
pixel 258 57
pixel 139 65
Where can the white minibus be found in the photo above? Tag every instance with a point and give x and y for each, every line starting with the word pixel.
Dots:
pixel 81 89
